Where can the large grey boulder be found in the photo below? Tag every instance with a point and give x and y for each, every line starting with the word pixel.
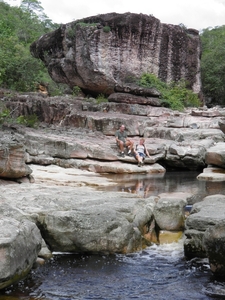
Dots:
pixel 214 244
pixel 203 216
pixel 216 155
pixel 94 223
pixel 20 242
pixel 95 53
pixel 169 211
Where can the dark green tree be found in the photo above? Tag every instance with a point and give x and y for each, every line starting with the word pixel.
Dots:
pixel 19 27
pixel 213 65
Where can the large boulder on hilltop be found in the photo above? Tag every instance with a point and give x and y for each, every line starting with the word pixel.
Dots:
pixel 102 52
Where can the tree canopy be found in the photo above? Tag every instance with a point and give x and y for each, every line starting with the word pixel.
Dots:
pixel 213 65
pixel 19 27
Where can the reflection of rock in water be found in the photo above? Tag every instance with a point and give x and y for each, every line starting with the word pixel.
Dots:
pixel 146 185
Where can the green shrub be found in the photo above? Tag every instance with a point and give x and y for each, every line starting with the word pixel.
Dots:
pixel 101 98
pixel 151 81
pixel 56 89
pixel 174 95
pixel 71 33
pixel 76 90
pixel 4 115
pixel 29 121
pixel 106 29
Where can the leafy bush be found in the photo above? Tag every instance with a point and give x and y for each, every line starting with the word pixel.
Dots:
pixel 19 27
pixel 76 91
pixel 106 29
pixel 4 115
pixel 213 65
pixel 71 33
pixel 174 95
pixel 29 121
pixel 101 98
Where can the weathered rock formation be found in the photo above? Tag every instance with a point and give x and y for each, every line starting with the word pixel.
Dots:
pixel 205 232
pixel 205 214
pixel 78 132
pixel 214 244
pixel 81 219
pixel 12 162
pixel 169 211
pixel 216 155
pixel 101 52
pixel 19 247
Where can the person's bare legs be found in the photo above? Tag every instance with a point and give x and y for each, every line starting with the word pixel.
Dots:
pixel 139 159
pixel 121 146
pixel 130 145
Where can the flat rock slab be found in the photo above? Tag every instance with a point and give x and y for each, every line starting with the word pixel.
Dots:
pixel 212 174
pixel 206 213
pixel 119 167
pixel 67 177
pixel 88 172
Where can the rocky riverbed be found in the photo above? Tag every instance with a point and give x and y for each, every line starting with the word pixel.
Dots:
pixel 55 167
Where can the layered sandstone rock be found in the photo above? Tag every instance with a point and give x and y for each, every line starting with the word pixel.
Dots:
pixel 79 132
pixel 12 159
pixel 102 52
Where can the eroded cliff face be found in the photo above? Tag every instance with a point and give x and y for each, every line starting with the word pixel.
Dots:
pixel 99 52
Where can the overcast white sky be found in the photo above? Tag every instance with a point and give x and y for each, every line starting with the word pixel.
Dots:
pixel 198 14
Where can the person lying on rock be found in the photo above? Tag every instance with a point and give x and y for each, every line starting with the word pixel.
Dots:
pixel 122 140
pixel 140 152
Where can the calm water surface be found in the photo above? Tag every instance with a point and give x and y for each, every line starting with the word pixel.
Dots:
pixel 158 272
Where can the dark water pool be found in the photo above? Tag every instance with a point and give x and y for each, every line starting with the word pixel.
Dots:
pixel 159 272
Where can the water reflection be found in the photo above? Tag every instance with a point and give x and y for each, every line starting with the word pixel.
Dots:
pixel 170 182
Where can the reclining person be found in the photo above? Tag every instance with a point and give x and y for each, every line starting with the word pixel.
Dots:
pixel 122 140
pixel 140 152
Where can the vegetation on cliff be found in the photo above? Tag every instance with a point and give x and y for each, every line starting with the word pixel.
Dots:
pixel 174 95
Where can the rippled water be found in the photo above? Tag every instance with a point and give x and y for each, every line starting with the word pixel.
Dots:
pixel 158 272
